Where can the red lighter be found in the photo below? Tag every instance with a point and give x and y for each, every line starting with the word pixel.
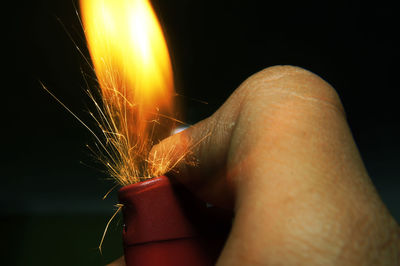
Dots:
pixel 164 225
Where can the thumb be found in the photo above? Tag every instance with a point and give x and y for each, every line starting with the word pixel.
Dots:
pixel 199 157
pixel 196 157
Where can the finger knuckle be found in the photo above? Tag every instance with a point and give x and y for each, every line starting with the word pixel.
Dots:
pixel 295 81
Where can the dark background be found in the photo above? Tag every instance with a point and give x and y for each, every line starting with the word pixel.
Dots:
pixel 51 207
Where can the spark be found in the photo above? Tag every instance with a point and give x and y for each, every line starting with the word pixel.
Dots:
pixel 119 207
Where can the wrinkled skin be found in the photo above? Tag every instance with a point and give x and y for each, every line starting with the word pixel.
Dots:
pixel 281 155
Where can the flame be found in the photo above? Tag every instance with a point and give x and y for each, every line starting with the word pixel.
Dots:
pixel 133 69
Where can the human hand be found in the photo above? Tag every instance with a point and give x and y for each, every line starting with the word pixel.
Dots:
pixel 280 153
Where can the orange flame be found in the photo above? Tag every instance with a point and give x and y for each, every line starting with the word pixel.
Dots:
pixel 133 68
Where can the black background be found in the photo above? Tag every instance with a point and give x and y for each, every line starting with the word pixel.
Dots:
pixel 51 207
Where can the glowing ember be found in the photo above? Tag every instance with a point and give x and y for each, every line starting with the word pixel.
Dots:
pixel 132 65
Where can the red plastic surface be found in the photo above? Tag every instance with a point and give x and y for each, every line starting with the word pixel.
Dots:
pixel 178 252
pixel 157 231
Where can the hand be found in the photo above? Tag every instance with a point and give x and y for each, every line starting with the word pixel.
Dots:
pixel 280 153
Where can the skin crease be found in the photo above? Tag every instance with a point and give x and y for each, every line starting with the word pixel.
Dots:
pixel 281 154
